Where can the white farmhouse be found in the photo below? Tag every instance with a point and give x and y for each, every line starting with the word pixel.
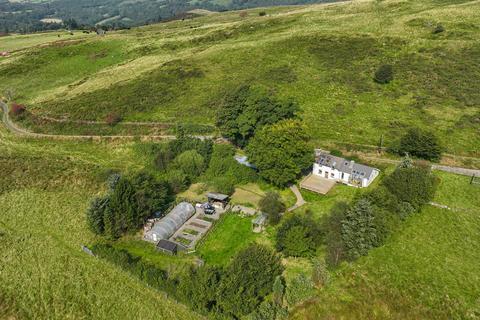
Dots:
pixel 343 170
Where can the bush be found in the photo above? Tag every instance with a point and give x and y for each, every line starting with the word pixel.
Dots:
pixel 384 74
pixel 17 110
pixel 273 206
pixel 320 275
pixel 177 180
pixel 421 144
pixel 300 289
pixel 438 29
pixel 113 118
pixel 223 185
pixel 298 236
pixel 262 13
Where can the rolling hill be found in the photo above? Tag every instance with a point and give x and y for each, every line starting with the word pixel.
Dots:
pixel 322 56
pixel 178 73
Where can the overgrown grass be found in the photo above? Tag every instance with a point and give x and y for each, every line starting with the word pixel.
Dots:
pixel 45 188
pixel 324 57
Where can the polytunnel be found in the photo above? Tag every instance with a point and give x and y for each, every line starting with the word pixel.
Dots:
pixel 166 227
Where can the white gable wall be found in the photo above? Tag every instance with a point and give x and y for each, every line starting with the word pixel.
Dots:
pixel 334 174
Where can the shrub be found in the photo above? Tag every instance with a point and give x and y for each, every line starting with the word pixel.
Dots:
pixel 298 236
pixel 17 110
pixel 113 118
pixel 223 185
pixel 300 289
pixel 421 144
pixel 384 74
pixel 320 274
pixel 163 157
pixel 95 215
pixel 336 153
pixel 262 13
pixel 438 29
pixel 273 206
pixel 177 180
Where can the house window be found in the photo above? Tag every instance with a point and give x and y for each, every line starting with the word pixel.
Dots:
pixel 343 175
pixel 331 175
pixel 320 171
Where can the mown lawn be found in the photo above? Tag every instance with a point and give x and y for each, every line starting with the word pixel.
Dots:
pixel 230 234
pixel 426 270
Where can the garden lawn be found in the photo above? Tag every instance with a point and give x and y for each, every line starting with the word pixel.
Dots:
pixel 229 235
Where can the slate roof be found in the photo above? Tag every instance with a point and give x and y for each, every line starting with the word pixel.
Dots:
pixel 343 165
pixel 217 196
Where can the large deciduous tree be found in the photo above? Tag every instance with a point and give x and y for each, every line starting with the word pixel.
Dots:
pixel 248 109
pixel 281 151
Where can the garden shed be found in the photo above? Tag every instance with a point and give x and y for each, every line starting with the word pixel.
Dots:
pixel 218 199
pixel 166 227
pixel 167 247
pixel 259 223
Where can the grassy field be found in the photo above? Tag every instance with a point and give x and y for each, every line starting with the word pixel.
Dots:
pixel 45 188
pixel 230 234
pixel 323 56
pixel 427 270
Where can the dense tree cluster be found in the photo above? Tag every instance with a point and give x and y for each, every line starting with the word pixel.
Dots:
pixel 419 143
pixel 128 203
pixel 248 109
pixel 281 151
pixel 183 160
pixel 231 292
pixel 224 172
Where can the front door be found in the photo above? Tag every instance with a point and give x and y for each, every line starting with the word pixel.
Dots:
pixel 326 174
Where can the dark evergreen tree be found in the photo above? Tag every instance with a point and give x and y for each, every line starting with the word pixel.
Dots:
pixel 359 232
pixel 95 215
pixel 247 280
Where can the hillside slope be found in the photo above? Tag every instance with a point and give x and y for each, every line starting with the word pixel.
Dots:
pixel 427 270
pixel 323 56
pixel 45 188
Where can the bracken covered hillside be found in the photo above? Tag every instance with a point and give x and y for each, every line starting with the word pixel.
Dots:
pixel 323 56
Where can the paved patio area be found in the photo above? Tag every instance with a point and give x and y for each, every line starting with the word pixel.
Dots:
pixel 317 184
